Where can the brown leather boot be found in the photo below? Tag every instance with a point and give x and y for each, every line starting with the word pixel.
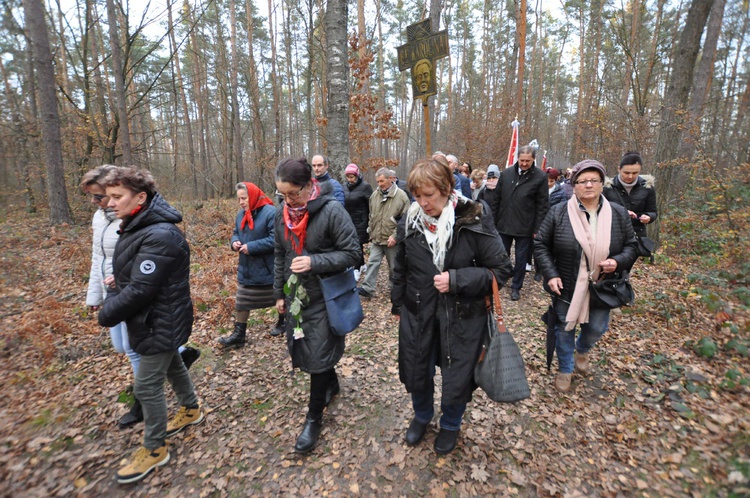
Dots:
pixel 582 362
pixel 562 382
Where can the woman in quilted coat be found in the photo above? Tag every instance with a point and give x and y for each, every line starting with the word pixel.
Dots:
pixel 315 237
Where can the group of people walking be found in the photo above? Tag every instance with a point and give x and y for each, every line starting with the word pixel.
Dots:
pixel 444 251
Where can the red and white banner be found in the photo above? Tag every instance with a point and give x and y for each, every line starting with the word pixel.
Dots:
pixel 513 150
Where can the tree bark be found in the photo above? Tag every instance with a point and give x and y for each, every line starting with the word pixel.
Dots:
pixel 338 85
pixel 703 79
pixel 233 84
pixel 119 75
pixel 37 31
pixel 669 173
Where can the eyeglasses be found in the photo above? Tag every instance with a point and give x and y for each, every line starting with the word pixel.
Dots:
pixel 594 181
pixel 291 196
pixel 98 197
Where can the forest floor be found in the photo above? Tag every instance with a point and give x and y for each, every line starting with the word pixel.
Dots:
pixel 654 418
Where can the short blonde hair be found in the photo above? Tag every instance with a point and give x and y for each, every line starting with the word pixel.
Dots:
pixel 433 172
pixel 96 176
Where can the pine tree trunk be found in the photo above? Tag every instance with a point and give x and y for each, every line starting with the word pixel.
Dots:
pixel 117 71
pixel 36 28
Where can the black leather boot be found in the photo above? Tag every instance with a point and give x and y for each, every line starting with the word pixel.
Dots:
pixel 237 337
pixel 278 329
pixel 134 416
pixel 308 438
pixel 332 391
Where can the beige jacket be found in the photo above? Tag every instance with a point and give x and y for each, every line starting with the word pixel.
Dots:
pixel 385 211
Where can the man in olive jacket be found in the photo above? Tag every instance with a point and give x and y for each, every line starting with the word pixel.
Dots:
pixel 387 205
pixel 521 202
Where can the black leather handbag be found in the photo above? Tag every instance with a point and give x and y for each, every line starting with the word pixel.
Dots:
pixel 611 291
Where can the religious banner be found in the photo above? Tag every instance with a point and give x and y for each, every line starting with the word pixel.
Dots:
pixel 513 150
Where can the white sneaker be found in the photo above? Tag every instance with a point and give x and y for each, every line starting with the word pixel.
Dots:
pixel 529 267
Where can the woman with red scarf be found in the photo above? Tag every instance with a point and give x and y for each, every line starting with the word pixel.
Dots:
pixel 253 239
pixel 315 237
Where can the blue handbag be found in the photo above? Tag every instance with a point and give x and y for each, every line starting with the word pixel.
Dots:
pixel 342 302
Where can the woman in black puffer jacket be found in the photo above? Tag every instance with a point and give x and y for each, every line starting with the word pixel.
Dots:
pixel 585 236
pixel 151 293
pixel 357 203
pixel 634 192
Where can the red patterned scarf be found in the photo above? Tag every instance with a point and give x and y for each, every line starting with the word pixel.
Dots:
pixel 295 220
pixel 255 199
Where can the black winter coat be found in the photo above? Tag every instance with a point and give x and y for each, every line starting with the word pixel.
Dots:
pixel 152 274
pixel 492 198
pixel 521 201
pixel 333 246
pixel 456 321
pixel 357 204
pixel 641 200
pixel 558 253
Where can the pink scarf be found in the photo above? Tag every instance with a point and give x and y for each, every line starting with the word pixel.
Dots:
pixel 595 249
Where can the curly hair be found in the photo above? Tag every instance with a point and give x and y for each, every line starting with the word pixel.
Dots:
pixel 132 178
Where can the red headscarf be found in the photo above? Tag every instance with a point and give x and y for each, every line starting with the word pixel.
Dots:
pixel 255 199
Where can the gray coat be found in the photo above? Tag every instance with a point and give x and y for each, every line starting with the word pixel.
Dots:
pixel 333 246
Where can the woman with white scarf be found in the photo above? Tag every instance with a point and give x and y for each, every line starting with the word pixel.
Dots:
pixel 584 237
pixel 448 253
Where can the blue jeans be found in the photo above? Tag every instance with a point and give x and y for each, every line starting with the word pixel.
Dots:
pixel 149 389
pixel 121 343
pixel 377 251
pixel 566 340
pixel 424 410
pixel 524 247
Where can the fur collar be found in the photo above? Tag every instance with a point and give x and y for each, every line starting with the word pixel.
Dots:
pixel 645 181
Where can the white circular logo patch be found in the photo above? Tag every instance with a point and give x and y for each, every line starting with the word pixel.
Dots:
pixel 148 267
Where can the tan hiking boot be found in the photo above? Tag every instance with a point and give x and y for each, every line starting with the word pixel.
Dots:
pixel 141 463
pixel 562 382
pixel 582 362
pixel 186 416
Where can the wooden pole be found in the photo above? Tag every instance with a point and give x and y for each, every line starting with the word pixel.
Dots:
pixel 426 113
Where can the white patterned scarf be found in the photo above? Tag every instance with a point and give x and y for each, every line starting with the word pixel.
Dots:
pixel 437 231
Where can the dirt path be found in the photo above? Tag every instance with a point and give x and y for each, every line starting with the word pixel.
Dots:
pixel 651 420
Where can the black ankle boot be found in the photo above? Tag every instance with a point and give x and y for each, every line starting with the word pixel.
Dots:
pixel 278 329
pixel 134 416
pixel 237 338
pixel 445 442
pixel 309 435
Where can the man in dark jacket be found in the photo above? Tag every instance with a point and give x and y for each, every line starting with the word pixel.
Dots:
pixel 521 201
pixel 463 183
pixel 320 166
pixel 151 293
